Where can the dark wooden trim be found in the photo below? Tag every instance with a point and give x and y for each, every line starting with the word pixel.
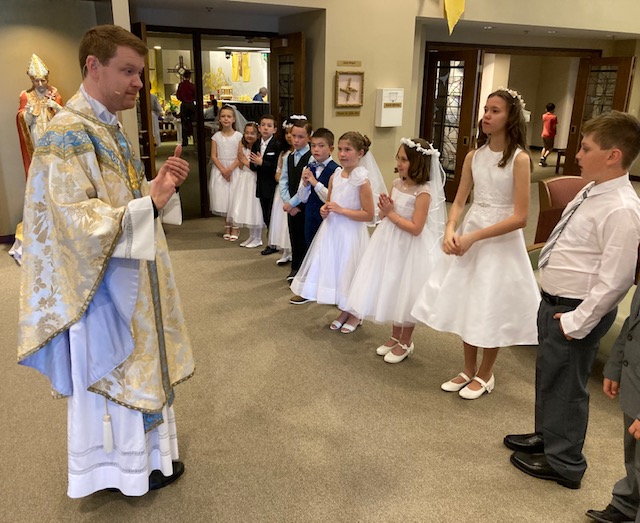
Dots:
pixel 512 49
pixel 208 31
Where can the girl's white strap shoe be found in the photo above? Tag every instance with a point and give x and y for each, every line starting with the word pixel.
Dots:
pixel 488 386
pixel 383 349
pixel 390 357
pixel 452 386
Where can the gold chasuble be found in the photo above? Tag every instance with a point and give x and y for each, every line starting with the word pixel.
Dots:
pixel 82 176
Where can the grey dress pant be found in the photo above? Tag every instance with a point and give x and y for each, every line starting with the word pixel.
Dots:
pixel 563 368
pixel 626 497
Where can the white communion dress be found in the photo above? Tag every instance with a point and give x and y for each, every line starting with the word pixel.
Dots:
pixel 396 264
pixel 333 257
pixel 489 295
pixel 244 207
pixel 220 190
pixel 279 227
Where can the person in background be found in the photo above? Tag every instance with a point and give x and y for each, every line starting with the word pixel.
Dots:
pixel 156 113
pixel 186 93
pixel 261 96
pixel 549 125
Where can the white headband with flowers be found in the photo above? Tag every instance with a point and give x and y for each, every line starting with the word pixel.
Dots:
pixel 289 121
pixel 413 145
pixel 514 94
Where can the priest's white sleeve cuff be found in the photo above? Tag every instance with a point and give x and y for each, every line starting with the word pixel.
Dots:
pixel 172 211
pixel 138 238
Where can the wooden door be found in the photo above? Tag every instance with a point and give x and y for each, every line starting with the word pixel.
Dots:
pixel 449 108
pixel 603 85
pixel 287 75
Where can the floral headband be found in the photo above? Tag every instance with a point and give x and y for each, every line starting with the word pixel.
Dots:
pixel 413 145
pixel 514 94
pixel 289 123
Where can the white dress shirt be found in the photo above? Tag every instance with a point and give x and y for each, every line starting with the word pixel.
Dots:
pixel 595 257
pixel 263 145
pixel 304 191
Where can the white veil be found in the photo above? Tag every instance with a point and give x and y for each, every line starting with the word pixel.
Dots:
pixel 376 180
pixel 437 217
pixel 241 121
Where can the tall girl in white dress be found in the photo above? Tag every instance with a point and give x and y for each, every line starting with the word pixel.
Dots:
pixel 404 248
pixel 333 256
pixel 279 229
pixel 485 290
pixel 244 208
pixel 224 155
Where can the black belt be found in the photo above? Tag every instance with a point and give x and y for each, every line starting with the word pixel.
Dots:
pixel 559 300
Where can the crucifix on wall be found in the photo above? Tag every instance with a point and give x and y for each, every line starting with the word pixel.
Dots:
pixel 180 68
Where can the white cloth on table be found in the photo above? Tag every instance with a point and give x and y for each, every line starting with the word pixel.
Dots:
pixel 221 190
pixel 489 296
pixel 335 252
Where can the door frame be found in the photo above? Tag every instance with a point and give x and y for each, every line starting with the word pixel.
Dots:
pixel 196 45
pixel 483 49
pixel 620 102
pixel 468 104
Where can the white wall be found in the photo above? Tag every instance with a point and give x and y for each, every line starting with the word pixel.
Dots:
pixel 557 84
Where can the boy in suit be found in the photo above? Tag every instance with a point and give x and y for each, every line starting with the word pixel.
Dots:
pixel 586 268
pixel 314 187
pixel 264 160
pixel 290 179
pixel 621 377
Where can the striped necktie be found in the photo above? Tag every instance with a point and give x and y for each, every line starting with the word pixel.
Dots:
pixel 545 254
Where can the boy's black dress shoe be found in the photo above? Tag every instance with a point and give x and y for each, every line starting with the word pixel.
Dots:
pixel 158 480
pixel 609 515
pixel 536 465
pixel 531 443
pixel 268 250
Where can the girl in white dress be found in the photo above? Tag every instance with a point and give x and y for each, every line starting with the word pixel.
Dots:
pixel 485 290
pixel 279 230
pixel 333 256
pixel 404 248
pixel 244 208
pixel 224 155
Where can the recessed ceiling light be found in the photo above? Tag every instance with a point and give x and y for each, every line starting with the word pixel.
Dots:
pixel 552 32
pixel 157 47
pixel 488 27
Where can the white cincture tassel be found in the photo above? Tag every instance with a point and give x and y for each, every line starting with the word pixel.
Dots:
pixel 107 432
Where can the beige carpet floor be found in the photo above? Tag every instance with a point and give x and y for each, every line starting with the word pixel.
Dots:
pixel 287 421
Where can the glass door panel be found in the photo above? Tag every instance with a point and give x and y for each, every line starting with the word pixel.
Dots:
pixel 449 108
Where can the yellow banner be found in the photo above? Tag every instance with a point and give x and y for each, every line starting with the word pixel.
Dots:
pixel 453 10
